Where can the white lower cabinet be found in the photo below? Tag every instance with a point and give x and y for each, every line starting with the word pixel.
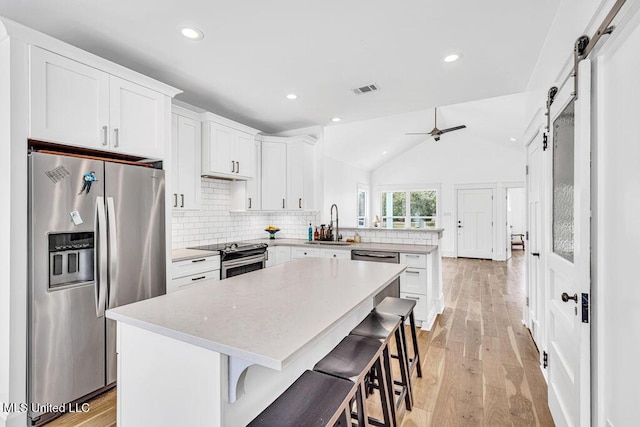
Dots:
pixel 297 253
pixel 335 253
pixel 414 280
pixel 420 310
pixel 413 283
pixel 192 272
pixel 278 255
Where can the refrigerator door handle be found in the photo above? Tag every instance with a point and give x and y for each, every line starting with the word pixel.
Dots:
pixel 113 245
pixel 101 283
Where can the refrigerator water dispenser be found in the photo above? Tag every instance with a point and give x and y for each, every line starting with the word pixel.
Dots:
pixel 71 259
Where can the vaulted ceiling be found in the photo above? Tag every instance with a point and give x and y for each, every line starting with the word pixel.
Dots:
pixel 256 52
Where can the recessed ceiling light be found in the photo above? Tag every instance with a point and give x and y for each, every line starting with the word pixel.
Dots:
pixel 336 119
pixel 452 57
pixel 292 96
pixel 191 33
pixel 512 139
pixel 384 152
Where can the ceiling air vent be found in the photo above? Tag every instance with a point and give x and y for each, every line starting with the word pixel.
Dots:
pixel 364 89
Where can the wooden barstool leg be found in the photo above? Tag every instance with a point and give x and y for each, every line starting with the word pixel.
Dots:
pixel 416 351
pixel 404 369
pixel 389 382
pixel 361 405
pixel 383 389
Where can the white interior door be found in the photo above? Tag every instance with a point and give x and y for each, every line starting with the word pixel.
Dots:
pixel 568 253
pixel 534 245
pixel 475 223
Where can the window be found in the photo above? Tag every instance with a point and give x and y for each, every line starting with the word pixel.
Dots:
pixel 409 209
pixel 363 203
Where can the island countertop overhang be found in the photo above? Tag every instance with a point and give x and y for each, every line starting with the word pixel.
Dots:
pixel 266 316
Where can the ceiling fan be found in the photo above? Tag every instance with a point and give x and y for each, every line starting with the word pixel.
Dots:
pixel 435 132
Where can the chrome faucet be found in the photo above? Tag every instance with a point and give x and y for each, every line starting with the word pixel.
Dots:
pixel 338 237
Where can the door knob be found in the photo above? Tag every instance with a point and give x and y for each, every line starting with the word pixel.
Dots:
pixel 459 226
pixel 566 297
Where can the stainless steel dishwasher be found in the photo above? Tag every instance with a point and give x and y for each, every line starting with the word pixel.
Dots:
pixel 393 290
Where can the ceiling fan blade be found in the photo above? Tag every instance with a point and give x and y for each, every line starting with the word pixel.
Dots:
pixel 417 133
pixel 452 129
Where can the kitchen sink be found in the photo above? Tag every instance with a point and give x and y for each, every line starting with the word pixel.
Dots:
pixel 328 243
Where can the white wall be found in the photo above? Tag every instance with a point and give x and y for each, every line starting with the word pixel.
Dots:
pixel 5 225
pixel 456 159
pixel 341 187
pixel 13 217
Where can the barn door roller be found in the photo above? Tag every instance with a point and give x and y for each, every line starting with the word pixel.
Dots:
pixel 584 45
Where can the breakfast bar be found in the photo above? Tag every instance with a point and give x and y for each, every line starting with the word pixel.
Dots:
pixel 229 348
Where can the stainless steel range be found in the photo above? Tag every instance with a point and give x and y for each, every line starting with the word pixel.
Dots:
pixel 238 258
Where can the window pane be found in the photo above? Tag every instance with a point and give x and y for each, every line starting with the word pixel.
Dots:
pixel 423 203
pixel 394 203
pixel 422 222
pixel 395 222
pixel 563 183
pixel 361 203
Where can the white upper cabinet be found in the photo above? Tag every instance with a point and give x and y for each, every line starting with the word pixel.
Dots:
pixel 75 104
pixel 227 152
pixel 185 157
pixel 69 101
pixel 274 175
pixel 137 119
pixel 253 197
pixel 287 173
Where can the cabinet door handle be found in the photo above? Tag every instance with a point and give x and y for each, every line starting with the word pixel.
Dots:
pixel 175 200
pixel 199 260
pixel 105 135
pixel 117 141
pixel 237 167
pixel 282 203
pixel 300 203
pixel 417 273
pixel 198 278
pixel 182 198
pixel 409 297
pixel 233 166
pixel 249 202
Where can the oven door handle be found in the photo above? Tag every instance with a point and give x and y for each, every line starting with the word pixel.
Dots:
pixel 243 261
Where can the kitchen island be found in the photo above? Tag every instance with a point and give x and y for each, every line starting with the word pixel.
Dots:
pixel 217 354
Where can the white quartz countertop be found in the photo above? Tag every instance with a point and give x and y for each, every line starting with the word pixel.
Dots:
pixel 389 247
pixel 266 316
pixel 185 254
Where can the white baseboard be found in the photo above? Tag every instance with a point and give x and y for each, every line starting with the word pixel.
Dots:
pixel 449 254
pixel 13 420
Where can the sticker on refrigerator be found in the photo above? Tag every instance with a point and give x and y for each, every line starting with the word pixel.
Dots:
pixel 87 180
pixel 58 174
pixel 76 218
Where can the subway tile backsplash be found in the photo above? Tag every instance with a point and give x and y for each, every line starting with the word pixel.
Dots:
pixel 409 237
pixel 214 223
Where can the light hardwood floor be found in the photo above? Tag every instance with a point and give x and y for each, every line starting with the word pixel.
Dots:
pixel 480 365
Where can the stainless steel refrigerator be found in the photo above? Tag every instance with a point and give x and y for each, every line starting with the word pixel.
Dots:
pixel 97 241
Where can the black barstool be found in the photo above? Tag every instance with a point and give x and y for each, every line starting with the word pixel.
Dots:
pixel 314 399
pixel 352 359
pixel 382 327
pixel 404 308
